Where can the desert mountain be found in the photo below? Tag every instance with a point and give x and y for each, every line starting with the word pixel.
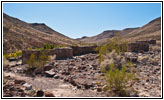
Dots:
pixel 19 35
pixel 152 30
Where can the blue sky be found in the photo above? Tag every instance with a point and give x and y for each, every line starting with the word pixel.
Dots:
pixel 85 19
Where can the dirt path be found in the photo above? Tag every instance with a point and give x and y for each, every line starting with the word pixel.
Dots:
pixel 55 86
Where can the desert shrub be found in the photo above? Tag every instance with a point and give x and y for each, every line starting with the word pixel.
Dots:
pixel 49 46
pixel 119 73
pixel 35 48
pixel 116 43
pixel 13 55
pixel 37 63
pixel 117 80
pixel 112 58
pixel 31 92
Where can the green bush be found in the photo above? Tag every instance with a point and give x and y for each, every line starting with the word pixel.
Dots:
pixel 35 48
pixel 118 72
pixel 48 46
pixel 116 43
pixel 117 79
pixel 13 55
pixel 37 63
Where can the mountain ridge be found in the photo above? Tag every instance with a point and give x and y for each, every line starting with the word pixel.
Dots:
pixel 18 35
pixel 129 33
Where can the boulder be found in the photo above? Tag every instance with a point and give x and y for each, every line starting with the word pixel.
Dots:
pixel 40 93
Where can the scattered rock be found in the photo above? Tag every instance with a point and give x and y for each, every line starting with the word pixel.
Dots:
pixel 47 67
pixel 19 81
pixel 99 89
pixel 56 76
pixel 27 86
pixel 50 73
pixel 40 93
pixel 49 94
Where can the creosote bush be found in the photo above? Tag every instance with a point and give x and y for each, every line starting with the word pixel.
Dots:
pixel 116 43
pixel 36 63
pixel 119 73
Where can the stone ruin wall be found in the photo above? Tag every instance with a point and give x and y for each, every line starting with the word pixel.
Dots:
pixel 61 53
pixel 69 52
pixel 83 50
pixel 140 46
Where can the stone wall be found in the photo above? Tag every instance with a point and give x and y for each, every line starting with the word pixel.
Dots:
pixel 138 47
pixel 152 42
pixel 148 41
pixel 83 50
pixel 61 53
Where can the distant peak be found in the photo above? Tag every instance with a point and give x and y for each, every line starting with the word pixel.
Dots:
pixel 131 28
pixel 84 37
pixel 110 31
pixel 38 24
pixel 157 19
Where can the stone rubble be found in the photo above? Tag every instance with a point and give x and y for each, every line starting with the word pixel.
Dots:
pixel 83 72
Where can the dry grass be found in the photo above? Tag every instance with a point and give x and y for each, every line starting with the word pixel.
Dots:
pixel 143 58
pixel 156 48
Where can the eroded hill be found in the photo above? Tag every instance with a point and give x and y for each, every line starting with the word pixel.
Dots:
pixel 19 35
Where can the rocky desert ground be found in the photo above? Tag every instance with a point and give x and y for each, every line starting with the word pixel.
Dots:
pixel 80 76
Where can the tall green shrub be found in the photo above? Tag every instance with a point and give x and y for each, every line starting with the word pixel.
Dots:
pixel 37 63
pixel 116 43
pixel 118 72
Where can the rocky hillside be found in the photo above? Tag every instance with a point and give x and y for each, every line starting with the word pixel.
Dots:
pixel 152 30
pixel 19 35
